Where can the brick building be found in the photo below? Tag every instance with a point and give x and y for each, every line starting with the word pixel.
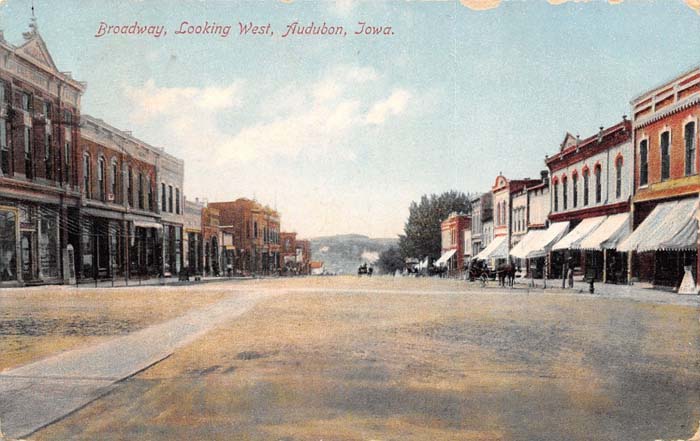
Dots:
pixel 591 184
pixel 211 238
pixel 452 240
pixel 39 177
pixel 666 182
pixel 254 231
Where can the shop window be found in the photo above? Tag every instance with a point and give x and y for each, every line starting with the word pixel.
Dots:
pixel 48 245
pixel 8 243
pixel 690 148
pixel 665 155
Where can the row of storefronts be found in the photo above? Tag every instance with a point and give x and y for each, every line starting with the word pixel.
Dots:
pixel 620 206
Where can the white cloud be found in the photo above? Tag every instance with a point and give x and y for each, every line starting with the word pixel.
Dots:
pixel 395 104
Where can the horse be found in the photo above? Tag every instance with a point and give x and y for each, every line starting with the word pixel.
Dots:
pixel 506 275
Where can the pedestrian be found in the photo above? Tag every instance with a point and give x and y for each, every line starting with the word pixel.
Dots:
pixel 570 277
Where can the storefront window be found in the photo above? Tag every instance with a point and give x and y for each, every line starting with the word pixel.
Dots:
pixel 178 248
pixel 48 246
pixel 8 242
pixel 88 246
pixel 166 249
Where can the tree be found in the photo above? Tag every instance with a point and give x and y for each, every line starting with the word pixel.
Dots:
pixel 390 260
pixel 422 236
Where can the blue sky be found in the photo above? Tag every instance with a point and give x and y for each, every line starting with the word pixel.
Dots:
pixel 343 133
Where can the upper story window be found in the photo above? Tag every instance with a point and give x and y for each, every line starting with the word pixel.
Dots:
pixel 48 157
pixel 26 102
pixel 644 162
pixel 163 197
pixel 556 195
pixel 255 230
pixel 177 201
pixel 664 145
pixel 598 184
pixel 586 180
pixel 67 117
pixel 101 178
pixel 141 191
pixel 618 177
pixel 2 92
pixel 690 148
pixel 115 173
pixel 574 185
pixel 46 109
pixel 150 195
pixel 564 193
pixel 170 198
pixel 28 154
pixel 130 187
pixel 4 150
pixel 86 176
pixel 67 153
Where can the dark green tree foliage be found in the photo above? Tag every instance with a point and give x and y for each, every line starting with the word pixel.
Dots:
pixel 390 260
pixel 422 235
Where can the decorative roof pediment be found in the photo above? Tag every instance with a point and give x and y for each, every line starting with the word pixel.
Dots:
pixel 501 182
pixel 569 141
pixel 35 49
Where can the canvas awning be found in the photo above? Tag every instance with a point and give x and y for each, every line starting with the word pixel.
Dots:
pixel 669 226
pixel 526 244
pixel 608 234
pixel 539 242
pixel 445 258
pixel 147 224
pixel 497 249
pixel 579 233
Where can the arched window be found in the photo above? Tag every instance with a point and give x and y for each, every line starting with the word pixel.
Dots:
pixel 690 148
pixel 598 184
pixel 644 162
pixel 86 176
pixel 574 187
pixel 101 178
pixel 564 193
pixel 556 195
pixel 664 145
pixel 141 189
pixel 618 177
pixel 586 179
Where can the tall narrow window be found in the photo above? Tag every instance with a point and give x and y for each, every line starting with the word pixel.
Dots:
pixel 141 194
pixel 177 201
pixel 151 200
pixel 618 178
pixel 170 198
pixel 564 191
pixel 556 195
pixel 574 184
pixel 101 178
pixel 26 102
pixel 86 176
pixel 28 154
pixel 163 198
pixel 690 148
pixel 67 153
pixel 48 156
pixel 115 173
pixel 644 162
pixel 2 92
pixel 4 150
pixel 46 107
pixel 130 188
pixel 665 156
pixel 586 180
pixel 598 184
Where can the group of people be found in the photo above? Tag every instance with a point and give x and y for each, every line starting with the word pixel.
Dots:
pixel 365 269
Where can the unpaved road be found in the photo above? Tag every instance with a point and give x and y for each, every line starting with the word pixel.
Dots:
pixel 39 393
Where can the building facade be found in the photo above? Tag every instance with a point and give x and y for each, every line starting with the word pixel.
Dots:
pixel 170 178
pixel 39 157
pixel 666 181
pixel 193 243
pixel 452 230
pixel 591 180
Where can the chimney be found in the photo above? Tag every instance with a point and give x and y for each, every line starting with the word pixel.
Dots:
pixel 544 175
pixel 600 134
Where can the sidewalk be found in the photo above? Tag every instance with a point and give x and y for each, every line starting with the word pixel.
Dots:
pixel 156 281
pixel 608 290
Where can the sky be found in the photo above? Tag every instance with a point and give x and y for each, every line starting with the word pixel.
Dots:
pixel 341 133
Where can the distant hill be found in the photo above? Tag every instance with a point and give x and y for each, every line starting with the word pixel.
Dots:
pixel 345 252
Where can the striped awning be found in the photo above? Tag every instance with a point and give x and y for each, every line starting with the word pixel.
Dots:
pixel 669 226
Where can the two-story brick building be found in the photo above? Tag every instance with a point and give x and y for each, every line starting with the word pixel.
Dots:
pixel 452 240
pixel 666 182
